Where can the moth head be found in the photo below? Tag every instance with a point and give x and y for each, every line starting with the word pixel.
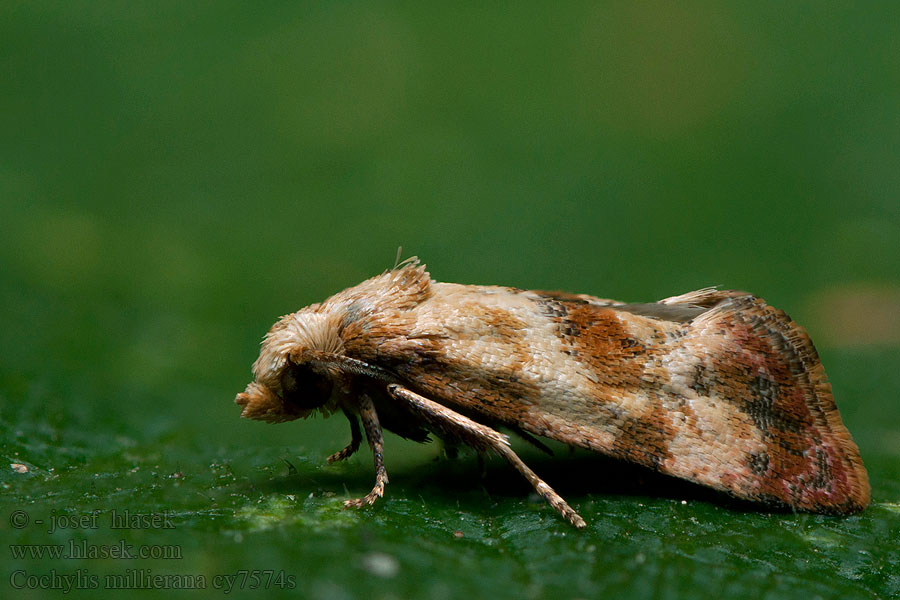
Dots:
pixel 288 385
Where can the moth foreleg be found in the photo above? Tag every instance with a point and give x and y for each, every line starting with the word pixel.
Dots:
pixel 355 439
pixel 446 421
pixel 376 441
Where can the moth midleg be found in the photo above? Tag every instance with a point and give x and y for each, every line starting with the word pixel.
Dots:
pixel 355 439
pixel 534 441
pixel 376 443
pixel 481 437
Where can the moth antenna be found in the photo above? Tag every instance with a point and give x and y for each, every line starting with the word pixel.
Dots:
pixel 351 366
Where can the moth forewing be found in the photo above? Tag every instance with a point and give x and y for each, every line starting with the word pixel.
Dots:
pixel 712 386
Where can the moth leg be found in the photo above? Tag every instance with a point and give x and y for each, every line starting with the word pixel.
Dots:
pixel 376 442
pixel 447 421
pixel 355 439
pixel 534 441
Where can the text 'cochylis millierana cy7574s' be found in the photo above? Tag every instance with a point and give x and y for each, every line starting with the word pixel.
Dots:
pixel 715 387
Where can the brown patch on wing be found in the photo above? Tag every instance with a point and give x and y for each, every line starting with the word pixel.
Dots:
pixel 496 321
pixel 614 357
pixel 644 440
pixel 592 332
pixel 766 365
pixel 469 389
pixel 598 336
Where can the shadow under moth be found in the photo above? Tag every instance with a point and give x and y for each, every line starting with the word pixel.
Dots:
pixel 715 387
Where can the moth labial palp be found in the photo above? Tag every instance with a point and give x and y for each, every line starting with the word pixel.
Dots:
pixel 715 387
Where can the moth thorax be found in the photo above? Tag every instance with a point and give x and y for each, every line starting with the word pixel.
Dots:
pixel 315 331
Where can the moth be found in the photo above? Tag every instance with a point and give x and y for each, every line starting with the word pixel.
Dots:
pixel 715 387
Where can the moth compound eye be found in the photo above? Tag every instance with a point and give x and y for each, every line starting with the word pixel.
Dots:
pixel 303 388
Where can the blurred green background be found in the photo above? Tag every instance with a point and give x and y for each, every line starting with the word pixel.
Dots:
pixel 174 176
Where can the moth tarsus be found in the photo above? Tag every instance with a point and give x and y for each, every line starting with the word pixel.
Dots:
pixel 376 442
pixel 355 439
pixel 715 387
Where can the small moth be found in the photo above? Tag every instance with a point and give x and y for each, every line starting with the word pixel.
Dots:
pixel 715 387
